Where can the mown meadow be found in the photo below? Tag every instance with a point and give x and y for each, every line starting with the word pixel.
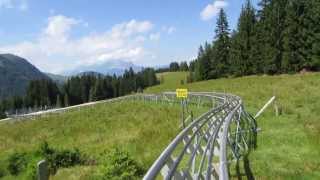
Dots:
pixel 141 129
pixel 288 144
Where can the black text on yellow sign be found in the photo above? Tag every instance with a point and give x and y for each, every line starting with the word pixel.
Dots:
pixel 182 93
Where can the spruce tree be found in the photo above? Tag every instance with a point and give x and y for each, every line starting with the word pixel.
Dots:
pixel 313 25
pixel 66 100
pixel 58 102
pixel 294 40
pixel 2 111
pixel 234 54
pixel 206 61
pixel 274 32
pixel 262 37
pixel 242 44
pixel 220 61
pixel 199 67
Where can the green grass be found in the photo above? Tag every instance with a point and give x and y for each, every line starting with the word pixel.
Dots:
pixel 288 145
pixel 170 80
pixel 143 129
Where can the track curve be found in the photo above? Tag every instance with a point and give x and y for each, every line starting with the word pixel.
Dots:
pixel 205 148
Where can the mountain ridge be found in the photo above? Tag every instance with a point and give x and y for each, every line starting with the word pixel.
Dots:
pixel 116 67
pixel 15 74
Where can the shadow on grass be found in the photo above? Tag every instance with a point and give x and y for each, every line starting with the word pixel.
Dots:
pixel 247 170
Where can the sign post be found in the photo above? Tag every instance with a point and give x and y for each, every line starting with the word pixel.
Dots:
pixel 183 95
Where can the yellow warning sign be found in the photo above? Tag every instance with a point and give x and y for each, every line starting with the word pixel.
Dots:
pixel 182 93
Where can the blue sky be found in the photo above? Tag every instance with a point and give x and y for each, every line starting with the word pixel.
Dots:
pixel 61 35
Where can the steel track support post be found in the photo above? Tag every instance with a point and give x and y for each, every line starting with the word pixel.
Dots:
pixel 182 115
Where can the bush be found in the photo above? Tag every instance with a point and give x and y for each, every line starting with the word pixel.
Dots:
pixel 17 162
pixel 120 166
pixel 2 172
pixel 60 158
pixel 31 170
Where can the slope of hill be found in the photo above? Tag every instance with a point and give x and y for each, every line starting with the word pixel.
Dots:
pixel 143 129
pixel 15 74
pixel 288 145
pixel 59 79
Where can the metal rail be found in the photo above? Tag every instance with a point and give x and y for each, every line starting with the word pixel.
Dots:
pixel 207 146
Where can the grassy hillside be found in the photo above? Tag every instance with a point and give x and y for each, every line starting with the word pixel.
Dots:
pixel 143 129
pixel 288 145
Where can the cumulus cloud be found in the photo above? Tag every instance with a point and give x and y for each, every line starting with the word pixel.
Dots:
pixel 169 30
pixel 59 27
pixel 212 10
pixel 54 50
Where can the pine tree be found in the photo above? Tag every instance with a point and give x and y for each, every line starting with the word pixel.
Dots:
pixel 245 38
pixel 274 22
pixel 66 100
pixel 235 54
pixel 2 111
pixel 184 66
pixel 199 67
pixel 206 61
pixel 262 37
pixel 58 102
pixel 221 48
pixel 174 66
pixel 294 40
pixel 313 25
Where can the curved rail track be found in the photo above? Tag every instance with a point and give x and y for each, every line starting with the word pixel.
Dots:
pixel 206 146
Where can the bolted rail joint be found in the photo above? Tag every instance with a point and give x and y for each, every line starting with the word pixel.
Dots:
pixel 205 148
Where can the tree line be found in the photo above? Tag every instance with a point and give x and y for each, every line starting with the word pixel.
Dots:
pixel 282 36
pixel 80 89
pixel 174 67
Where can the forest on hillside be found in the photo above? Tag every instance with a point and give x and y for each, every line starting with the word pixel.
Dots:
pixel 45 94
pixel 282 36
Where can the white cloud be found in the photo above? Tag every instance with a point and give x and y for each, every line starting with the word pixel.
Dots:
pixel 55 50
pixel 155 36
pixel 212 10
pixel 169 30
pixel 18 4
pixel 59 27
pixel 132 27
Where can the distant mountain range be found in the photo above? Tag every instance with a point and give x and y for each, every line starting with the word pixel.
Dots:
pixel 116 67
pixel 15 74
pixel 59 79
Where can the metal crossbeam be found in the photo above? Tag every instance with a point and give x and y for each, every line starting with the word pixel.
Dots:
pixel 200 150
